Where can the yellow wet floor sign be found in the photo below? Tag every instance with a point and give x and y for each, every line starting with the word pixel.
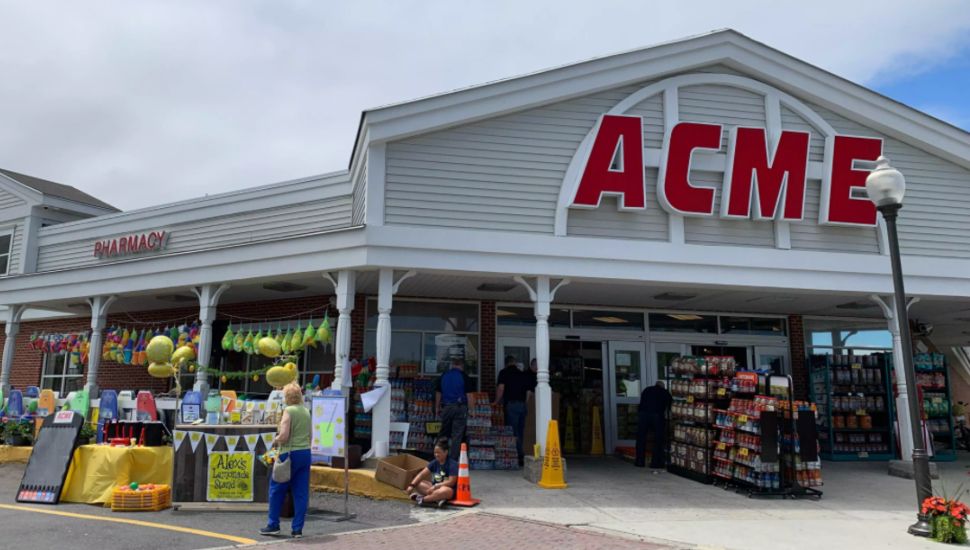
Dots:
pixel 552 474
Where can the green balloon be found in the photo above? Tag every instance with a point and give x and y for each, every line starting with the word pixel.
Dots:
pixel 134 485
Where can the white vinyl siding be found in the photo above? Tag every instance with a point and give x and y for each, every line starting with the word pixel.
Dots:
pixel 273 213
pixel 9 200
pixel 608 221
pixel 724 231
pixel 359 215
pixel 502 174
pixel 933 220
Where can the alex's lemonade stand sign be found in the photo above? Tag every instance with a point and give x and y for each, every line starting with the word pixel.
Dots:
pixel 230 477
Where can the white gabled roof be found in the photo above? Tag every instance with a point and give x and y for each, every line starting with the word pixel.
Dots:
pixel 727 47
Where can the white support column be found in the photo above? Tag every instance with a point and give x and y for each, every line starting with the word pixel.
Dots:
pixel 208 296
pixel 344 287
pixel 902 397
pixel 99 315
pixel 11 329
pixel 381 413
pixel 542 298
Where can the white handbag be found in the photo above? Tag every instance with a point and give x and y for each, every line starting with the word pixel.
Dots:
pixel 281 470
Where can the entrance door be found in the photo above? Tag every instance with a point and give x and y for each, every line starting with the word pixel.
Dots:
pixel 627 378
pixel 522 349
pixel 663 357
pixel 773 358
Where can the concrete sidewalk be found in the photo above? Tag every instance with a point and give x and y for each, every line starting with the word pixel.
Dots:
pixel 862 507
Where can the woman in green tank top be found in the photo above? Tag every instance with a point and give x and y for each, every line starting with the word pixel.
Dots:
pixel 293 442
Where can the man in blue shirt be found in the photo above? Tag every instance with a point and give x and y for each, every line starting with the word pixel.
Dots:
pixel 451 398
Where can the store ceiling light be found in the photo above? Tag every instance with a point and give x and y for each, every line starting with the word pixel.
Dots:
pixel 674 297
pixel 612 320
pixel 176 298
pixel 856 305
pixel 283 286
pixel 504 313
pixel 496 287
pixel 78 305
pixel 684 316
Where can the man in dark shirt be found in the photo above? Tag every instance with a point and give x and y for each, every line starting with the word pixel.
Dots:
pixel 451 398
pixel 514 386
pixel 652 417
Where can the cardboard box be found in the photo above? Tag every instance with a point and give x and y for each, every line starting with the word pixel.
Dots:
pixel 398 471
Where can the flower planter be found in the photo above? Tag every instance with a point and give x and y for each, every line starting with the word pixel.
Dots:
pixel 16 440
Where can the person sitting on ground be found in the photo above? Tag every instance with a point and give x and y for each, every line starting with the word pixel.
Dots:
pixel 435 483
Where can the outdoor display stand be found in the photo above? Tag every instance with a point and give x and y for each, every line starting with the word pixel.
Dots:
pixel 855 406
pixel 699 386
pixel 216 464
pixel 933 379
pixel 767 444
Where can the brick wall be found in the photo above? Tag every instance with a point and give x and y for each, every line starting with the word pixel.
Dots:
pixel 799 370
pixel 28 363
pixel 486 345
pixel 358 319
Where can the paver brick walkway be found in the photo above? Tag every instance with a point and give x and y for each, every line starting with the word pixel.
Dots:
pixel 475 531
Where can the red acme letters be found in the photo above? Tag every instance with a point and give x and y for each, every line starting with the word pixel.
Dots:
pixel 764 178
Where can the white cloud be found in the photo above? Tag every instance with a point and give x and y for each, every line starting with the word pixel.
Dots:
pixel 147 102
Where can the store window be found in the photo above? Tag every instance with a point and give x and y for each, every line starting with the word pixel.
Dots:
pixel 516 316
pixel 246 370
pixel 758 326
pixel 62 373
pixel 429 334
pixel 683 322
pixel 841 337
pixel 613 320
pixel 6 242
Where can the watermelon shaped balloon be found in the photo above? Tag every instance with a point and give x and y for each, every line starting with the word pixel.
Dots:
pixel 286 341
pixel 309 336
pixel 323 332
pixel 280 338
pixel 227 339
pixel 248 343
pixel 296 341
pixel 237 342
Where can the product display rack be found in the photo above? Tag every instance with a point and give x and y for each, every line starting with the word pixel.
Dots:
pixel 767 444
pixel 933 379
pixel 699 386
pixel 855 406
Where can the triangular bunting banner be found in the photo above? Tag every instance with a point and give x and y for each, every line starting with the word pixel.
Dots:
pixel 267 439
pixel 251 441
pixel 231 441
pixel 194 438
pixel 179 438
pixel 210 441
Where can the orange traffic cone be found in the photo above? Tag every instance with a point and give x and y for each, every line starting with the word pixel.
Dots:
pixel 464 492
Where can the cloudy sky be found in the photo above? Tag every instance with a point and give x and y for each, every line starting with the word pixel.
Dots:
pixel 141 102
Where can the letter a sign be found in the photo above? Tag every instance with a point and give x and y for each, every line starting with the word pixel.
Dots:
pixel 615 164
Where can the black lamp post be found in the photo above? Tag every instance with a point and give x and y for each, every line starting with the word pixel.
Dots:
pixel 886 186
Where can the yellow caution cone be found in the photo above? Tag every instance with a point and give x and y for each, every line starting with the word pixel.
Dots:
pixel 552 475
pixel 464 492
pixel 596 448
pixel 570 445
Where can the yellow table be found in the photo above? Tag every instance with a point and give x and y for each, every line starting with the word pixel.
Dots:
pixel 97 469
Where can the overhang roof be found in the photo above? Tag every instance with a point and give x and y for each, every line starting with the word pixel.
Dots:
pixel 59 190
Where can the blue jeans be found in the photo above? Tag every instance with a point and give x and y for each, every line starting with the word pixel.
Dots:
pixel 515 412
pixel 298 485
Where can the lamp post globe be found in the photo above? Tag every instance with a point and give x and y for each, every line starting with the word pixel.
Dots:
pixel 886 187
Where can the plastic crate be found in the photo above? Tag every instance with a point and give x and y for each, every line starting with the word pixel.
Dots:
pixel 123 499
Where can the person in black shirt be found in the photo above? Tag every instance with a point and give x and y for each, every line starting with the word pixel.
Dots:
pixel 652 417
pixel 514 386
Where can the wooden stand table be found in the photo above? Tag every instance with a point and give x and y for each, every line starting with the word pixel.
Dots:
pixel 192 468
